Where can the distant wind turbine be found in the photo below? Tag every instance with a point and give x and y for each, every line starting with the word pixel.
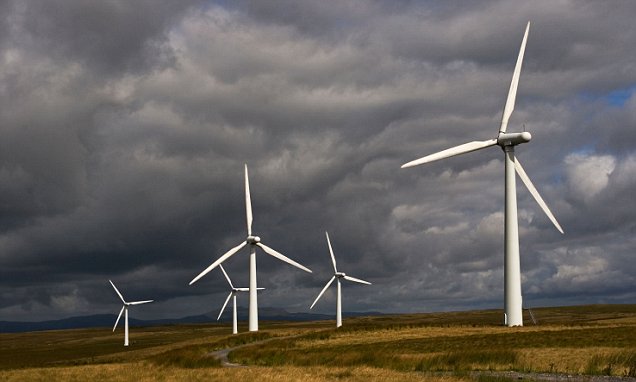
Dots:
pixel 232 295
pixel 124 309
pixel 337 275
pixel 253 241
pixel 507 141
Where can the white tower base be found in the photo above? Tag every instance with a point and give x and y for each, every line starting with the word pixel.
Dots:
pixel 234 319
pixel 339 307
pixel 253 309
pixel 126 326
pixel 512 269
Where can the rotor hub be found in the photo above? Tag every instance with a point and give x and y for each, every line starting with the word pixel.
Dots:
pixel 340 275
pixel 253 240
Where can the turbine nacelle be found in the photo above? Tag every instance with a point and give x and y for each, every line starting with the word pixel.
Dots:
pixel 513 139
pixel 340 275
pixel 253 240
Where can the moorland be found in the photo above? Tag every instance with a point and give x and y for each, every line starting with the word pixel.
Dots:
pixel 580 342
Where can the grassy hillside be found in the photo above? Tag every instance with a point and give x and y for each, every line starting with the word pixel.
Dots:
pixel 593 340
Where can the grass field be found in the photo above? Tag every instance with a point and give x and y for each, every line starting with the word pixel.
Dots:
pixel 589 340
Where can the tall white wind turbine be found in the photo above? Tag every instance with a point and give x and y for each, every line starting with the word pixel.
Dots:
pixel 124 309
pixel 507 141
pixel 337 276
pixel 232 295
pixel 253 241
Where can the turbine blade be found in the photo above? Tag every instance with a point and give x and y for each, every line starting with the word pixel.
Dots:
pixel 248 203
pixel 457 150
pixel 140 302
pixel 229 296
pixel 219 261
pixel 117 290
pixel 512 93
pixel 333 258
pixel 282 257
pixel 526 180
pixel 226 276
pixel 322 291
pixel 355 280
pixel 118 317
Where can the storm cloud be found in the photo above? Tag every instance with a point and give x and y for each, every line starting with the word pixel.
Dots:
pixel 125 125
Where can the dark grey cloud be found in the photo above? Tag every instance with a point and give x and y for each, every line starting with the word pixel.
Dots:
pixel 109 37
pixel 125 127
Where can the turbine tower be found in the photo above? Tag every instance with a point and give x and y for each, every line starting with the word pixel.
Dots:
pixel 232 295
pixel 337 275
pixel 253 241
pixel 507 141
pixel 124 309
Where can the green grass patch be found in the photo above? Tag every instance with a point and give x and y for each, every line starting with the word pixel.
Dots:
pixel 189 357
pixel 387 355
pixel 240 339
pixel 93 346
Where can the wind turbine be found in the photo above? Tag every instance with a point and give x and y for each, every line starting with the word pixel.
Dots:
pixel 337 275
pixel 125 309
pixel 232 295
pixel 507 141
pixel 253 241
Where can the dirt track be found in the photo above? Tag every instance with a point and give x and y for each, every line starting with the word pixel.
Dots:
pixel 549 377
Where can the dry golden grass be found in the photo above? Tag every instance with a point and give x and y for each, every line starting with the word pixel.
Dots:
pixel 142 372
pixel 564 360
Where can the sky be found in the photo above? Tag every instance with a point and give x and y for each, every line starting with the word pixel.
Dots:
pixel 125 127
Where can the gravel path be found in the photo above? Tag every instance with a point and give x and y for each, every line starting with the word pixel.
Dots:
pixel 550 377
pixel 222 354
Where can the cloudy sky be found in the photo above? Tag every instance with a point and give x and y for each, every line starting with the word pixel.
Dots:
pixel 124 127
